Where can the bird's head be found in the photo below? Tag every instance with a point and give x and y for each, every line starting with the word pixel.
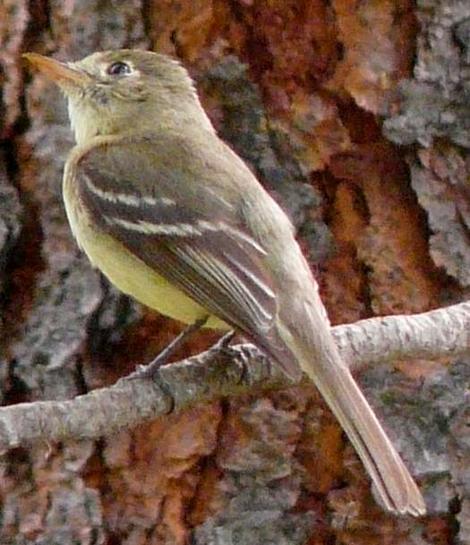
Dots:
pixel 115 92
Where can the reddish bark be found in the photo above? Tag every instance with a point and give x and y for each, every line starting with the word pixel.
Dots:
pixel 385 228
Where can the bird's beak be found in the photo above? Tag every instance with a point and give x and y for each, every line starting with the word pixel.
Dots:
pixel 64 75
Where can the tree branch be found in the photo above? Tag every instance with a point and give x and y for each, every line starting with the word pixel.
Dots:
pixel 212 375
pixel 441 333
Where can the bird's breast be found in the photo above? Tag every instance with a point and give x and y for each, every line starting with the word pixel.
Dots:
pixel 125 270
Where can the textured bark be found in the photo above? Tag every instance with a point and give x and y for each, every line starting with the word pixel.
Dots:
pixel 297 87
pixel 220 373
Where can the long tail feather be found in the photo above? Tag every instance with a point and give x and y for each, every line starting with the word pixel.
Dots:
pixel 319 358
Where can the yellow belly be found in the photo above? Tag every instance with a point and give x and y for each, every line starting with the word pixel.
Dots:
pixel 133 277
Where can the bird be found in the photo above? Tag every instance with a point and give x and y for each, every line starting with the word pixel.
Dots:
pixel 174 218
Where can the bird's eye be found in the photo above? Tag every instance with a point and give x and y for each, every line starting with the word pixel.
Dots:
pixel 119 68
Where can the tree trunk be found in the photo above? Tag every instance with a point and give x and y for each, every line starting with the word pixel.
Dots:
pixel 355 116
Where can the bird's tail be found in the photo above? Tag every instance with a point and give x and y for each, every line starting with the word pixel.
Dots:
pixel 316 352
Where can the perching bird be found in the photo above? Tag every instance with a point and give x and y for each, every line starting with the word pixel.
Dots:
pixel 174 218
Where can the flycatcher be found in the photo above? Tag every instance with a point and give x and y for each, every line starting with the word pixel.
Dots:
pixel 174 218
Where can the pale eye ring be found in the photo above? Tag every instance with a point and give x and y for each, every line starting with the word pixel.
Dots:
pixel 118 68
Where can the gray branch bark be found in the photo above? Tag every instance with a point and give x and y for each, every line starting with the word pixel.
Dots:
pixel 212 375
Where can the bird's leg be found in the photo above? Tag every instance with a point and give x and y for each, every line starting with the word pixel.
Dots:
pixel 149 370
pixel 223 343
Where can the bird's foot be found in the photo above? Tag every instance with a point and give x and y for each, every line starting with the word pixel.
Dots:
pixel 149 370
pixel 223 344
